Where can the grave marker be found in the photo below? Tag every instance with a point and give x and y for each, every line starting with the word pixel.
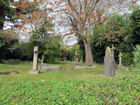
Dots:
pixel 112 49
pixel 34 70
pixel 109 63
pixel 120 60
pixel 81 60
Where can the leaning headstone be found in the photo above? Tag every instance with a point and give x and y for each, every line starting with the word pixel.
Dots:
pixel 41 62
pixel 109 63
pixel 120 60
pixel 46 67
pixel 34 70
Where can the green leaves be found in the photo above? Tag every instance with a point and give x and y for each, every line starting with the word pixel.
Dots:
pixel 52 53
pixel 136 54
pixel 119 90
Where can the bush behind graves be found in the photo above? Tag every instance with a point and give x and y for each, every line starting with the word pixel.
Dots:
pixel 136 54
pixel 127 58
pixel 120 90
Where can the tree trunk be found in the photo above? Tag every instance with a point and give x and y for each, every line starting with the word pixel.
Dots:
pixel 1 17
pixel 88 52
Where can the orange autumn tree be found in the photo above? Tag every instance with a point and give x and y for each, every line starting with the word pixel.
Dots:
pixel 37 19
pixel 114 30
pixel 84 15
pixel 81 16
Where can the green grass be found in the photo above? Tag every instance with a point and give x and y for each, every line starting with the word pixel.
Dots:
pixel 67 72
pixel 68 86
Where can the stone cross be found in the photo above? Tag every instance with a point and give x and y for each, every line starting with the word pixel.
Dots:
pixel 120 60
pixel 34 70
pixel 109 63
pixel 112 49
pixel 41 62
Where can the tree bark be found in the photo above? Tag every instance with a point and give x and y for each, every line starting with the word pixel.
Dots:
pixel 88 52
pixel 1 17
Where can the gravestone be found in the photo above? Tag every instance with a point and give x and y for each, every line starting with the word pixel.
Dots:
pixel 77 60
pixel 112 49
pixel 34 70
pixel 81 60
pixel 41 61
pixel 46 67
pixel 109 63
pixel 120 60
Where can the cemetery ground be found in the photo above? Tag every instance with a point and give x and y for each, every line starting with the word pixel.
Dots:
pixel 68 86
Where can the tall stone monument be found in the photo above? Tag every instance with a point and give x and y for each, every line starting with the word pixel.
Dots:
pixel 120 60
pixel 34 70
pixel 109 63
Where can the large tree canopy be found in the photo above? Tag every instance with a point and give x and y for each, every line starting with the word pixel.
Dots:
pixel 6 12
pixel 76 16
pixel 84 15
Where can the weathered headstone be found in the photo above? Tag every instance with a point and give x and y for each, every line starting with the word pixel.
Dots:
pixel 120 60
pixel 77 60
pixel 81 60
pixel 46 67
pixel 109 63
pixel 34 70
pixel 41 62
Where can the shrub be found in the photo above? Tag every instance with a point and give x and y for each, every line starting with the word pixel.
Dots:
pixel 127 58
pixel 136 54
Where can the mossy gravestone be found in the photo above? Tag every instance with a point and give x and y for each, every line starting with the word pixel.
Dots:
pixel 109 63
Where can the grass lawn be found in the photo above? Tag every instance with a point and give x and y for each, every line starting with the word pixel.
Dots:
pixel 68 86
pixel 67 72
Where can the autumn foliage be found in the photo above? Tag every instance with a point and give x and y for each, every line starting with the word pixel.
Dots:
pixel 78 16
